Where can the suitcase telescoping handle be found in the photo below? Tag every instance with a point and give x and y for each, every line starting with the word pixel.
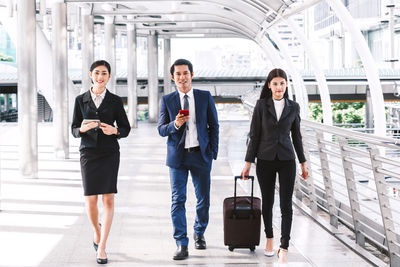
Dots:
pixel 252 186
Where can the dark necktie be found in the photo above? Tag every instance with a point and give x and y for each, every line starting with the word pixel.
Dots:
pixel 185 102
pixel 185 106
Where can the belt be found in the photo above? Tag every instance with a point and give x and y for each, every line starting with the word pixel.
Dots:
pixel 192 149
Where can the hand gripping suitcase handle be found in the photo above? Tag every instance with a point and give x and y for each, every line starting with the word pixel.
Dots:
pixel 252 187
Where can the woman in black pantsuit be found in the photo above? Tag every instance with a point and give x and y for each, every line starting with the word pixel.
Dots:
pixel 275 117
pixel 99 149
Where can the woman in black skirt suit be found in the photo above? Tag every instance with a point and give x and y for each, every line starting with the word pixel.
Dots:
pixel 275 117
pixel 99 149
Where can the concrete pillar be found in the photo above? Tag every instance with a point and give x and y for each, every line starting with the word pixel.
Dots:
pixel 60 78
pixel 27 90
pixel 109 45
pixel 87 48
pixel 369 114
pixel 152 76
pixel 167 65
pixel 132 75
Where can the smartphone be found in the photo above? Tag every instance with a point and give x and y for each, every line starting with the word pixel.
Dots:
pixel 184 112
pixel 85 121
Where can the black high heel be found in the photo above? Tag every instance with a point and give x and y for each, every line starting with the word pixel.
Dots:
pixel 102 261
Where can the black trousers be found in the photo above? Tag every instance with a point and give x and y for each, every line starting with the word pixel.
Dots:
pixel 266 174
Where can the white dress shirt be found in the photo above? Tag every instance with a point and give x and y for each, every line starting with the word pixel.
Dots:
pixel 191 135
pixel 97 99
pixel 279 105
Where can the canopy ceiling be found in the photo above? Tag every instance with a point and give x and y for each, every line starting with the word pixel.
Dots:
pixel 202 18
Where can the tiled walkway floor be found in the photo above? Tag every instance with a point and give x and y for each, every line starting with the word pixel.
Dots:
pixel 43 221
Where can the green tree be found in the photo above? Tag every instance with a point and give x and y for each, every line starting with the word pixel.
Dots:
pixel 6 58
pixel 315 112
pixel 342 112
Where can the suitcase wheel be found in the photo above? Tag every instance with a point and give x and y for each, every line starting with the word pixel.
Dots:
pixel 231 248
pixel 252 248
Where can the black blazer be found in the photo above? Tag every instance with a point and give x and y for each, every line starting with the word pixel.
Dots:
pixel 111 110
pixel 270 138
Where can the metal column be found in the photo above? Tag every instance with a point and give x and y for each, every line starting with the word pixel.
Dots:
pixel 152 76
pixel 10 8
pixel 264 42
pixel 87 48
pixel 167 65
pixel 369 118
pixel 42 7
pixel 343 47
pixel 6 102
pixel 110 51
pixel 60 78
pixel 368 62
pixel 298 82
pixel 27 90
pixel 132 74
pixel 318 72
pixel 392 60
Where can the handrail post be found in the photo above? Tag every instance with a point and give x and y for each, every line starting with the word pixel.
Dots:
pixel 310 181
pixel 297 192
pixel 0 181
pixel 330 197
pixel 384 205
pixel 352 193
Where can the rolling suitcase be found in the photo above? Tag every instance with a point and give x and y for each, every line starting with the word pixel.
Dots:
pixel 242 220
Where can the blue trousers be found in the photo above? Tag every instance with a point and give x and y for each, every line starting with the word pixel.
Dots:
pixel 200 172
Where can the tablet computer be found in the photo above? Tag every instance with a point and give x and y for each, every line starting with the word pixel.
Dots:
pixel 85 121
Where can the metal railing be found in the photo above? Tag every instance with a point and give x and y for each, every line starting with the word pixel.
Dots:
pixel 355 179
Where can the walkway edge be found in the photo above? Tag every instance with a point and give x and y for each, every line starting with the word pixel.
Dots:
pixel 340 236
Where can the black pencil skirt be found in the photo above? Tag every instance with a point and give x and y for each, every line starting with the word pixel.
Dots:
pixel 99 168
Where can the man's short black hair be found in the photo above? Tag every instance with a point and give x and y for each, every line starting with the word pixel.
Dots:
pixel 179 62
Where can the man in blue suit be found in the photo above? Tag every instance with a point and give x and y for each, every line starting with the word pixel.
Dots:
pixel 192 145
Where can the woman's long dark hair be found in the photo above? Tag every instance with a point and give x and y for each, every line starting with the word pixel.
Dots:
pixel 266 91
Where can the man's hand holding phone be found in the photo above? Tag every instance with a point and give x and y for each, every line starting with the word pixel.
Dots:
pixel 182 117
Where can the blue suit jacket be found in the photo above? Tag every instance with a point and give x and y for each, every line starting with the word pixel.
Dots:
pixel 206 124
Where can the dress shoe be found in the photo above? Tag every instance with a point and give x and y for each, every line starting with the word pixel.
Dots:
pixel 282 254
pixel 96 246
pixel 199 241
pixel 102 261
pixel 269 253
pixel 181 253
